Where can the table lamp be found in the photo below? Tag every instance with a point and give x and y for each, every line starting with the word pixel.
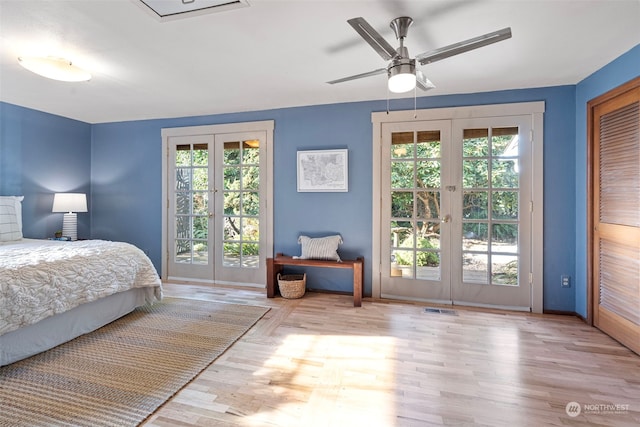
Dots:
pixel 70 203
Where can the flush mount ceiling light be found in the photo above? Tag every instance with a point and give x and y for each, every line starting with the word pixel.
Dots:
pixel 54 68
pixel 167 10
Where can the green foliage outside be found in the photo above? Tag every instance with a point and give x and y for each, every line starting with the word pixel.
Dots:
pixel 241 180
pixel 423 258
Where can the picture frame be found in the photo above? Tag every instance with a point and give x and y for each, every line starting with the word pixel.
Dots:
pixel 323 170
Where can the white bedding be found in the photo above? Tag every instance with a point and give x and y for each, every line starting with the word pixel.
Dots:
pixel 41 278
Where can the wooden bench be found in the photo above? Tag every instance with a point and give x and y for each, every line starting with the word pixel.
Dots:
pixel 274 266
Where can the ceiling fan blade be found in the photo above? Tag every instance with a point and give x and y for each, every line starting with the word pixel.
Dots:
pixel 423 82
pixel 371 36
pixel 359 76
pixel 464 46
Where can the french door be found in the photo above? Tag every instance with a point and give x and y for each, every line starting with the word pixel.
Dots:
pixel 416 206
pixel 456 211
pixel 217 222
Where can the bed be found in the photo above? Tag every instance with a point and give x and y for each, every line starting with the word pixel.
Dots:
pixel 54 291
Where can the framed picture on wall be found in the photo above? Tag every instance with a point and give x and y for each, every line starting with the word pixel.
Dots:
pixel 323 171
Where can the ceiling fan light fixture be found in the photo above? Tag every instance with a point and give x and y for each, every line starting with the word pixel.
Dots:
pixel 402 76
pixel 54 68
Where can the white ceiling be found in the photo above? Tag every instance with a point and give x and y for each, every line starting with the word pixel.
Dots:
pixel 280 53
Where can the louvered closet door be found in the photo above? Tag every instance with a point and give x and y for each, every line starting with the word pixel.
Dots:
pixel 616 217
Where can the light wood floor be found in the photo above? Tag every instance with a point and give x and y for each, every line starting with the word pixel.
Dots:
pixel 318 361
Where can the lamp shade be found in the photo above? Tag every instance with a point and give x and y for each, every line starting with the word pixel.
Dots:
pixel 69 202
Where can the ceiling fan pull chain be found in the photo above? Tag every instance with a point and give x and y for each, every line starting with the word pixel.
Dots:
pixel 415 102
pixel 387 101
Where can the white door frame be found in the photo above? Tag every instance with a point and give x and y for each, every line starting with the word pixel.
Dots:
pixel 535 110
pixel 266 126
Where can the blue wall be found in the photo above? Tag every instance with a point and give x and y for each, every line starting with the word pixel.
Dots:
pixel 127 164
pixel 622 70
pixel 41 154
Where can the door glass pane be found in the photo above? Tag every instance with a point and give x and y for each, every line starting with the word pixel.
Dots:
pixel 183 155
pixel 231 228
pixel 200 252
pixel 475 237
pixel 402 262
pixel 231 178
pixel 475 173
pixel 504 173
pixel 231 203
pixel 504 205
pixel 182 203
pixel 231 153
pixel 201 155
pixel 191 203
pixel 183 179
pixel 399 232
pixel 183 251
pixel 200 203
pixel 250 257
pixel 201 227
pixel 402 145
pixel 415 243
pixel 504 270
pixel 231 255
pixel 504 142
pixel 427 265
pixel 504 238
pixel 251 152
pixel 490 258
pixel 428 144
pixel 250 178
pixel 251 203
pixel 428 250
pixel 475 267
pixel 250 230
pixel 428 174
pixel 200 178
pixel 402 204
pixel 428 204
pixel 241 232
pixel 475 205
pixel 402 174
pixel 474 143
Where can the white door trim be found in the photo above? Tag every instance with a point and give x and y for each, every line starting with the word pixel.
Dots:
pixel 267 126
pixel 535 109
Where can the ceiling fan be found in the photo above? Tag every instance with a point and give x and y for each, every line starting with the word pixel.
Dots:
pixel 402 72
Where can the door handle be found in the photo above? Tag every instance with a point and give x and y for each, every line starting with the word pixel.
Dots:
pixel 446 218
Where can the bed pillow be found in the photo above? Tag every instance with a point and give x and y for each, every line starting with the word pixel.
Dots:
pixel 10 218
pixel 320 247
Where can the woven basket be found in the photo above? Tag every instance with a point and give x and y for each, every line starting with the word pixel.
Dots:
pixel 292 286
